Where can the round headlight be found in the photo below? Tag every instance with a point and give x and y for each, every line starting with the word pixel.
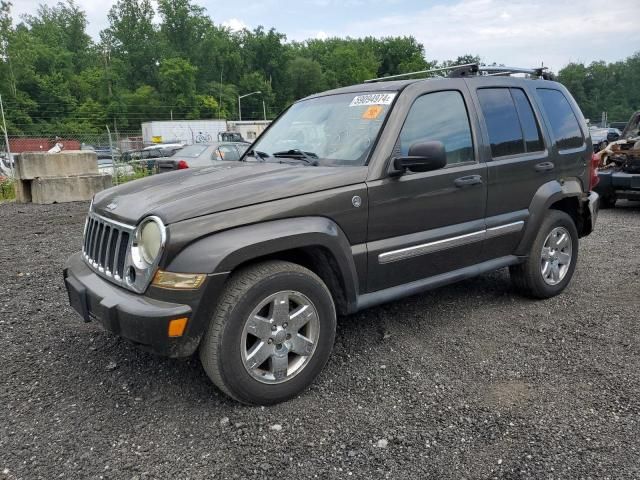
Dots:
pixel 150 241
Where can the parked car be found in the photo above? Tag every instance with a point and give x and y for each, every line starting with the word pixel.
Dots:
pixel 105 167
pixel 601 137
pixel 231 137
pixel 403 186
pixel 619 166
pixel 201 155
pixel 148 156
pixel 102 151
pixel 166 146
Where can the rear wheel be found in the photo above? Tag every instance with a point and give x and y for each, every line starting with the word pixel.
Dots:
pixel 271 334
pixel 552 258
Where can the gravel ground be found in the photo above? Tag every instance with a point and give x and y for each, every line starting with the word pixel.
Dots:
pixel 469 381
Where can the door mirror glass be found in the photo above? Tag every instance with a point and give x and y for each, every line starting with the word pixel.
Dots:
pixel 422 157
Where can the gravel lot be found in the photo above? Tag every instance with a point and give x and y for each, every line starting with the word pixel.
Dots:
pixel 469 381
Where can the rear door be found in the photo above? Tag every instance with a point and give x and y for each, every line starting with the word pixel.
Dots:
pixel 517 156
pixel 423 224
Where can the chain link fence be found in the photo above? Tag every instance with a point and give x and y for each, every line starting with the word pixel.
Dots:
pixel 123 155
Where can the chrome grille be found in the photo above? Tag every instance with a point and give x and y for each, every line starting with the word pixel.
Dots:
pixel 105 246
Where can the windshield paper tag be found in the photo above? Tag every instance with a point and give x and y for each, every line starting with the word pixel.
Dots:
pixel 372 99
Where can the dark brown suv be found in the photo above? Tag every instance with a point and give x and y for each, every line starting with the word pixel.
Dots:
pixel 352 197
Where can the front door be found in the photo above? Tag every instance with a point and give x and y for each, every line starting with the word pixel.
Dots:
pixel 422 224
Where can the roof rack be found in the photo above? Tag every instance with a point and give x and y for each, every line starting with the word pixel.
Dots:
pixel 420 72
pixel 472 69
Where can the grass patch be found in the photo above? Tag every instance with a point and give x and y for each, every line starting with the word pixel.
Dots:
pixel 7 189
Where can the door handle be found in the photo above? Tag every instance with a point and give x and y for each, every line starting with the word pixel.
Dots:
pixel 466 181
pixel 544 167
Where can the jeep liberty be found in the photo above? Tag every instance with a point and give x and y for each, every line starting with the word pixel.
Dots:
pixel 351 198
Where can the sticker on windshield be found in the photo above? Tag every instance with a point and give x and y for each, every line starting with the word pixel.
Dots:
pixel 372 99
pixel 372 112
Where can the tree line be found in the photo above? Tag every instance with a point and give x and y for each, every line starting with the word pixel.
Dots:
pixel 58 80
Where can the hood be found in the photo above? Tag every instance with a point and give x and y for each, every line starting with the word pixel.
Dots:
pixel 190 193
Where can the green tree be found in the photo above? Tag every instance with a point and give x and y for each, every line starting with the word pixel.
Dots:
pixel 135 40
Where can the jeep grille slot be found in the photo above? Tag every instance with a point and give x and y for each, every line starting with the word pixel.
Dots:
pixel 105 246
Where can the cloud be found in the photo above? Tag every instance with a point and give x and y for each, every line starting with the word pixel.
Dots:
pixel 516 32
pixel 234 24
pixel 322 35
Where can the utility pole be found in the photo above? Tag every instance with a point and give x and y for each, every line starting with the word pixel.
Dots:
pixel 240 106
pixel 264 110
pixel 6 137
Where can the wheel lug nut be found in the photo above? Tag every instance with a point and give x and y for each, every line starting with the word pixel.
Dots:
pixel 273 328
pixel 285 325
pixel 270 341
pixel 288 336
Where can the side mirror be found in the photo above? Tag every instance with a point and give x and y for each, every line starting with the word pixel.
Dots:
pixel 422 157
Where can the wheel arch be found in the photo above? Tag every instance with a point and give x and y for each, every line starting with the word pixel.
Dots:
pixel 317 243
pixel 567 196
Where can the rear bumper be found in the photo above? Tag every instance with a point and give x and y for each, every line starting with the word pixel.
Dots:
pixel 141 319
pixel 618 184
pixel 593 204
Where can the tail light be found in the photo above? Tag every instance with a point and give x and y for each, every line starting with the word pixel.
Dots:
pixel 182 164
pixel 593 171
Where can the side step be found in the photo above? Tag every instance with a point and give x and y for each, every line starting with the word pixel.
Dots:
pixel 394 293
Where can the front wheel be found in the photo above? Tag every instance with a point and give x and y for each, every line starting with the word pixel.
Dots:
pixel 552 258
pixel 271 334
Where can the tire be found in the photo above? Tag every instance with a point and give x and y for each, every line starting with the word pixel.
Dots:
pixel 529 277
pixel 232 349
pixel 608 201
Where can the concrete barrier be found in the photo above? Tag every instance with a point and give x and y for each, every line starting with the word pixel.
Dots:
pixel 67 189
pixel 68 176
pixel 32 165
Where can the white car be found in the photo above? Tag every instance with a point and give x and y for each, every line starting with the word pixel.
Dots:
pixel 105 167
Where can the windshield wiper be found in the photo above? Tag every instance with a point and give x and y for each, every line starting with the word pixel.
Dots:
pixel 297 154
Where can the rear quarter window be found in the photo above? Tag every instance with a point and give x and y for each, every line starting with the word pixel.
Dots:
pixel 565 128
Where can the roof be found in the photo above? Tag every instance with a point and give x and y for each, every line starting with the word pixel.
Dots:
pixel 391 86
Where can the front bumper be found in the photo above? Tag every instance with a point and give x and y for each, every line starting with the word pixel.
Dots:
pixel 618 184
pixel 142 319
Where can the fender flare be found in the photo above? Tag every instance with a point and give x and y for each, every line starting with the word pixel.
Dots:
pixel 224 251
pixel 548 194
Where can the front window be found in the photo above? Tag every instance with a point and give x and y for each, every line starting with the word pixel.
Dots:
pixel 331 130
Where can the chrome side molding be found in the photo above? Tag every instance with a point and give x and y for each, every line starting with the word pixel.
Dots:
pixel 452 242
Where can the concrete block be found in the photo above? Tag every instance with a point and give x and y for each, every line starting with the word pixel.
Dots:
pixel 30 165
pixel 23 190
pixel 68 189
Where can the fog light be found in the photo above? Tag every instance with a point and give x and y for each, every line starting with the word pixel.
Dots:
pixel 177 327
pixel 178 281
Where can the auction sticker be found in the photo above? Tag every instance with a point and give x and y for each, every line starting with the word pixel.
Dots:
pixel 372 99
pixel 372 112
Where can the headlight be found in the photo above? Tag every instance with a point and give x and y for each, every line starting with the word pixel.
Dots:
pixel 149 240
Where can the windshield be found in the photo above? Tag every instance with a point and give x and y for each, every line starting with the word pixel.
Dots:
pixel 335 129
pixel 192 151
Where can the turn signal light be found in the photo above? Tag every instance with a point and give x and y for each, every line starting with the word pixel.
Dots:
pixel 182 164
pixel 178 281
pixel 177 327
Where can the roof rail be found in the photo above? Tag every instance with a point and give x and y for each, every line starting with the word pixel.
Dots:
pixel 472 69
pixel 420 72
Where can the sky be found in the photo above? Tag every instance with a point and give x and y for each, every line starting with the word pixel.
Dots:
pixel 510 32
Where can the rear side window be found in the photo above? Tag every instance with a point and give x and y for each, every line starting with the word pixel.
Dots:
pixel 513 128
pixel 564 124
pixel 530 128
pixel 440 116
pixel 501 117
